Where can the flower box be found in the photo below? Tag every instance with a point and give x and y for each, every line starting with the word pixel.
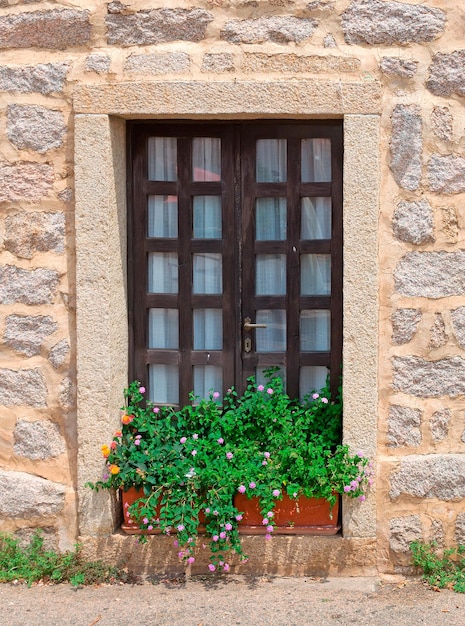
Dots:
pixel 300 516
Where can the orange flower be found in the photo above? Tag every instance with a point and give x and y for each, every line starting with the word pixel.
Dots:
pixel 113 445
pixel 105 450
pixel 127 419
pixel 118 434
pixel 114 469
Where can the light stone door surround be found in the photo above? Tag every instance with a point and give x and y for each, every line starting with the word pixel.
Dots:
pixel 101 235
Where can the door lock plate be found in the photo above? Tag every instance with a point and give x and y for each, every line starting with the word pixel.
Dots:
pixel 247 344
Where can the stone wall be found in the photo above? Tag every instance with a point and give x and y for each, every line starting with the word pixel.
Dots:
pixel 412 51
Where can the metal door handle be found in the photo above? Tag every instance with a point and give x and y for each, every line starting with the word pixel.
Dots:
pixel 248 326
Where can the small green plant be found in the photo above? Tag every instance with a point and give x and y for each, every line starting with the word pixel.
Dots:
pixel 33 563
pixel 190 463
pixel 441 572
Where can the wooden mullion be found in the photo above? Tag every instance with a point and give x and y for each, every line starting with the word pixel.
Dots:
pixel 185 267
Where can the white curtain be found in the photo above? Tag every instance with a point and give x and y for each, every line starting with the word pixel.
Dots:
pixel 207 217
pixel 164 384
pixel 208 275
pixel 316 218
pixel 208 329
pixel 316 160
pixel 271 166
pixel 162 272
pixel 162 216
pixel 163 329
pixel 270 274
pixel 162 158
pixel 312 378
pixel 206 159
pixel 315 274
pixel 273 337
pixel 208 378
pixel 315 330
pixel 270 219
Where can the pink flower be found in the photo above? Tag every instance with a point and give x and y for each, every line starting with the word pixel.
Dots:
pixel 215 513
pixel 362 498
pixel 216 395
pixel 267 537
pixel 346 488
pixel 360 455
pixel 145 521
pixel 183 440
pixel 211 567
pixel 270 528
pixel 194 452
pixel 228 526
pixel 137 442
pixel 270 514
pixel 190 559
pixel 264 463
pixel 220 440
pixel 226 567
pixel 150 527
pixel 180 527
pixel 180 555
pixel 270 391
pixel 229 455
pixel 113 445
pixel 215 538
pixel 176 543
pixel 325 400
pixel 266 455
pixel 276 493
pixel 241 489
pixel 260 388
pixel 141 389
pixel 315 396
pixel 207 510
pixel 222 535
pixel 195 436
pixel 239 517
pixel 265 521
pixel 105 477
pixel 252 485
pixel 156 409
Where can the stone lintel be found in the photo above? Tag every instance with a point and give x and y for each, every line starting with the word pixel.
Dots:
pixel 230 99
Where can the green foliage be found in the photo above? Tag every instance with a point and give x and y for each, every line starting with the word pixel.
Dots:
pixel 195 459
pixel 442 572
pixel 34 563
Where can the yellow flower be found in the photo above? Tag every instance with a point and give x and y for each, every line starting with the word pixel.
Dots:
pixel 114 469
pixel 105 450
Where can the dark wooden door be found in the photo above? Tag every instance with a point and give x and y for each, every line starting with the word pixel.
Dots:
pixel 235 255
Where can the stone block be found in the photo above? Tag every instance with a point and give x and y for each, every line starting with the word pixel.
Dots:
pixel 37 440
pixel 35 127
pixel 431 274
pixel 404 325
pixel 26 333
pixel 458 325
pixel 23 388
pixel 157 26
pixel 446 174
pixel 441 123
pixel 460 529
pixel 217 63
pixel 49 535
pixel 261 62
pixel 329 41
pixel 58 353
pixel 25 181
pixel 158 63
pixel 404 426
pixel 438 335
pixel 395 66
pixel 277 29
pixel 440 476
pixel 27 286
pixel 437 533
pixel 379 22
pixel 98 63
pixel 44 78
pixel 404 530
pixel 450 225
pixel 413 222
pixel 447 74
pixel 439 425
pixel 26 496
pixel 57 29
pixel 406 146
pixel 429 379
pixel 28 233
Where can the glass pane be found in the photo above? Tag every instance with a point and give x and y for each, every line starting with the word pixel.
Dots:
pixel 273 337
pixel 163 272
pixel 162 157
pixel 207 379
pixel 315 275
pixel 312 378
pixel 162 216
pixel 208 329
pixel 316 160
pixel 271 274
pixel 270 219
pixel 164 384
pixel 315 331
pixel 206 159
pixel 207 217
pixel 208 273
pixel 261 378
pixel 163 328
pixel 316 218
pixel 271 160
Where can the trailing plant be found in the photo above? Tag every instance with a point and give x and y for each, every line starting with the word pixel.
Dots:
pixel 33 563
pixel 441 572
pixel 191 462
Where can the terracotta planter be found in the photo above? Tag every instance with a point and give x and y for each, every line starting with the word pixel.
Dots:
pixel 304 516
pixel 129 526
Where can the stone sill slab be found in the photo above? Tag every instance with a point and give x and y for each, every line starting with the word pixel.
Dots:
pixel 282 556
